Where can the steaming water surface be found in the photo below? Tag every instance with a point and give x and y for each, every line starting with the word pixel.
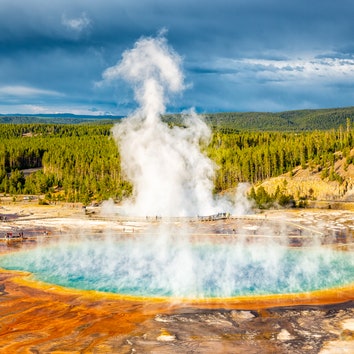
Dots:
pixel 157 267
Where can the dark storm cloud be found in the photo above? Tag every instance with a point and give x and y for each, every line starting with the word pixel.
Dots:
pixel 247 25
pixel 238 54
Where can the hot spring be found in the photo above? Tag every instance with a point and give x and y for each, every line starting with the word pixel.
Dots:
pixel 181 267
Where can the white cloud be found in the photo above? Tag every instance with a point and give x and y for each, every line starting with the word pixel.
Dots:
pixel 320 70
pixel 77 24
pixel 25 91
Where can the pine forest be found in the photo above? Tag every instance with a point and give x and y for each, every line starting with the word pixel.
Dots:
pixel 81 162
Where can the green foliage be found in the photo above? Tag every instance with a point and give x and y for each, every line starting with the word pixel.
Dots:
pixel 57 118
pixel 256 156
pixel 42 202
pixel 290 121
pixel 334 176
pixel 264 200
pixel 82 163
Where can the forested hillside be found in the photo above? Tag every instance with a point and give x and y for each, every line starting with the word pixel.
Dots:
pixel 255 156
pixel 298 120
pixel 82 162
pixel 290 121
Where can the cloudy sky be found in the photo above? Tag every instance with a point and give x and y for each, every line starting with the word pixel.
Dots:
pixel 238 55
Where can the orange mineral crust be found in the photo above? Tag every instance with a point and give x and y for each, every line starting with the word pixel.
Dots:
pixel 37 317
pixel 52 320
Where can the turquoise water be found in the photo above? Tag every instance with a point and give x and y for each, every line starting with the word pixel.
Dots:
pixel 159 267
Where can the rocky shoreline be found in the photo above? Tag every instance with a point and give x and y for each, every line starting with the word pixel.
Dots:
pixel 299 329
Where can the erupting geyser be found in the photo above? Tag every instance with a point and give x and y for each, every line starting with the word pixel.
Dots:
pixel 170 174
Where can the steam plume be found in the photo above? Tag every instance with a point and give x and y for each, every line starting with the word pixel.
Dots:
pixel 170 174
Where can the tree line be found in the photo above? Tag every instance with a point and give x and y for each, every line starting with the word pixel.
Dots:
pixel 81 163
pixel 255 156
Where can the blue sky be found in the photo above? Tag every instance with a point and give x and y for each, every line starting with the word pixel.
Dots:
pixel 238 55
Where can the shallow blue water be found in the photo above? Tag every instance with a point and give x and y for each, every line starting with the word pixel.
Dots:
pixel 159 267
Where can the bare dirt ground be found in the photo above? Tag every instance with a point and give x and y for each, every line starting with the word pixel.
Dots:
pixel 41 318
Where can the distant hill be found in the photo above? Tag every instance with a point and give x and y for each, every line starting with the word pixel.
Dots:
pixel 297 120
pixel 61 118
